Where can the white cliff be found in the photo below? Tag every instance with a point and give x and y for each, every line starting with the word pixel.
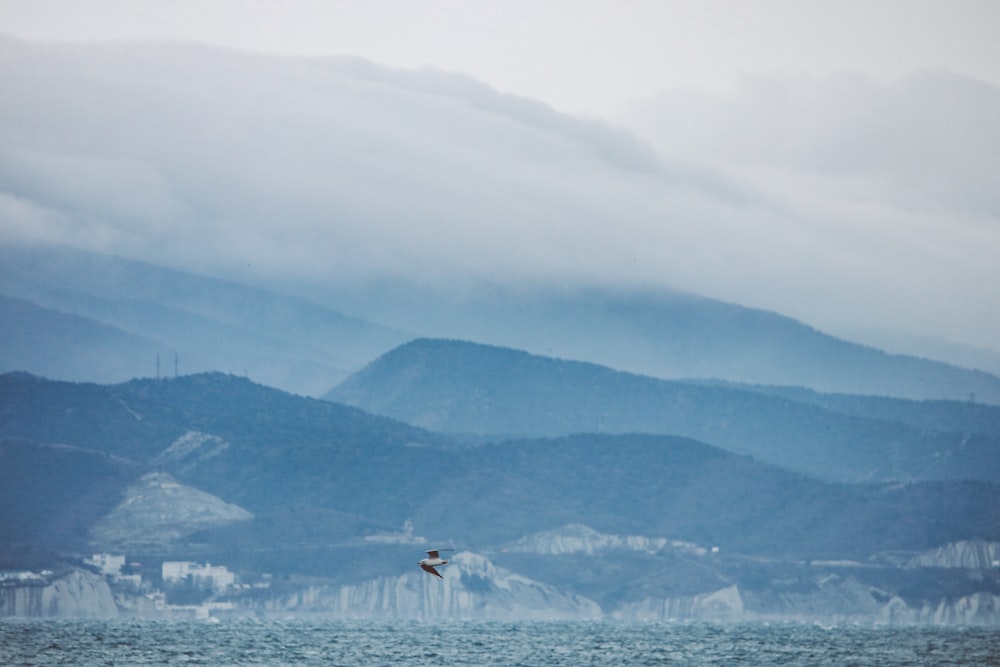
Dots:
pixel 970 554
pixel 577 538
pixel 472 588
pixel 79 594
pixel 725 604
pixel 975 609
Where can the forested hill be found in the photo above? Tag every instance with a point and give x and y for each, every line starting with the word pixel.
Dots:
pixel 669 334
pixel 462 387
pixel 318 476
pixel 141 418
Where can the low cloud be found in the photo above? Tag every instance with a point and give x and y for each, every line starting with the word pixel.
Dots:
pixel 893 185
pixel 335 168
pixel 927 142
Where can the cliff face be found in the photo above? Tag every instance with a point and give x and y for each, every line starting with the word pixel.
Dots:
pixel 725 604
pixel 472 588
pixel 830 599
pixel 847 602
pixel 80 594
pixel 832 592
pixel 970 554
pixel 975 609
pixel 577 538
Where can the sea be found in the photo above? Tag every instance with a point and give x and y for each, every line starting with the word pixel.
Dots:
pixel 325 642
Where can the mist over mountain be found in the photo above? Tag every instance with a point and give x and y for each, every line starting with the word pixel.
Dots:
pixel 71 347
pixel 302 346
pixel 426 202
pixel 666 334
pixel 203 323
pixel 595 361
pixel 908 136
pixel 329 171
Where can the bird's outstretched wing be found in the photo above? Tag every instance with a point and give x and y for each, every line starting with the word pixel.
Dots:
pixel 430 568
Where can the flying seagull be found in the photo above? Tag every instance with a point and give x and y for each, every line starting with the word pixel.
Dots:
pixel 433 558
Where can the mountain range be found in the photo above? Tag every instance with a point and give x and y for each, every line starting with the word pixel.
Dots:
pixel 309 488
pixel 662 333
pixel 299 454
pixel 747 487
pixel 382 311
pixel 462 387
pixel 307 345
pixel 84 316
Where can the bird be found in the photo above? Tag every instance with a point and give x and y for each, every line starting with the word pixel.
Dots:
pixel 433 559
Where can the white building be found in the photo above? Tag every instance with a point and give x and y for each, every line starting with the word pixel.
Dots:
pixel 213 576
pixel 107 563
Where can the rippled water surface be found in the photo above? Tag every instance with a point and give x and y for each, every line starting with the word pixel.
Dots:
pixel 300 642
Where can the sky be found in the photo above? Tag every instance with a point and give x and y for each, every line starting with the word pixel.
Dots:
pixel 833 161
pixel 580 56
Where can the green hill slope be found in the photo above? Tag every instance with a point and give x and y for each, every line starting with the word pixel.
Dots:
pixel 320 477
pixel 457 386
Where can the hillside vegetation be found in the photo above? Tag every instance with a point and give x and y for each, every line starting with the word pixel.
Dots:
pixel 313 472
pixel 462 387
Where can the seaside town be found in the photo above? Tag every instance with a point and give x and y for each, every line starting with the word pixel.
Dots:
pixel 184 589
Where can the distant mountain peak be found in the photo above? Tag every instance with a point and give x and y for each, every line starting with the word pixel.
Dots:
pixel 465 387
